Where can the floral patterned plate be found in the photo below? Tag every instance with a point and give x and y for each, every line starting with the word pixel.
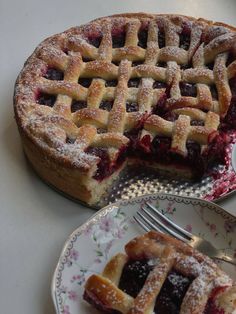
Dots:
pixel 90 246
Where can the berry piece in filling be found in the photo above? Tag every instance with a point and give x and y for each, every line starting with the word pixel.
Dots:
pixel 103 166
pixel 187 89
pixel 111 83
pixel 172 293
pixel 85 82
pixel 131 107
pixel 169 300
pixel 142 37
pixel 54 74
pixel 134 82
pixel 161 38
pixel 106 105
pixel 185 36
pixel 230 119
pixel 118 40
pixel 133 276
pixel 46 99
pixel 157 85
pixel 95 40
pixel 77 105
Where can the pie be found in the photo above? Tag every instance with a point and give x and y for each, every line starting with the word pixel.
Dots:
pixel 154 90
pixel 159 274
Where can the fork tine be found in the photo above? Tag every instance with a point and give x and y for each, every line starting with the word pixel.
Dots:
pixel 148 224
pixel 160 224
pixel 142 224
pixel 176 227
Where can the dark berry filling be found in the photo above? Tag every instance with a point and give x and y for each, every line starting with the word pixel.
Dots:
pixel 133 276
pixel 214 92
pixel 46 99
pixel 131 107
pixel 188 89
pixel 210 66
pixel 104 166
pixel 118 40
pixel 142 38
pixel 95 41
pixel 185 36
pixel 157 85
pixel 230 118
pixel 169 300
pixel 54 74
pixel 135 63
pixel 186 66
pixel 170 116
pixel 197 122
pixel 161 64
pixel 77 105
pixel 85 59
pixel 172 293
pixel 70 140
pixel 85 82
pixel 161 38
pixel 134 82
pixel 111 83
pixel 106 105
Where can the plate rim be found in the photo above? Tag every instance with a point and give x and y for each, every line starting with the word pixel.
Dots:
pixel 186 199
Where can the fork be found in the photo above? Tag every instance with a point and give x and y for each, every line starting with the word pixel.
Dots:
pixel 150 218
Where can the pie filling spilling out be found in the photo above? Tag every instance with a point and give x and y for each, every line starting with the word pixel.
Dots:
pixel 154 90
pixel 158 274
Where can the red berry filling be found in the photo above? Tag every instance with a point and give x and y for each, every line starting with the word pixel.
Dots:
pixel 104 167
pixel 95 40
pixel 78 104
pixel 211 307
pixel 46 99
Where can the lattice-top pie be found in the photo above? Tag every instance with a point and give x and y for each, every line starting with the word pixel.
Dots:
pixel 159 90
pixel 159 274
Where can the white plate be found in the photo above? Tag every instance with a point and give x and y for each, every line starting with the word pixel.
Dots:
pixel 90 246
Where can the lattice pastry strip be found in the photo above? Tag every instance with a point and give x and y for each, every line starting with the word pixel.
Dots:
pixel 124 78
pixel 162 253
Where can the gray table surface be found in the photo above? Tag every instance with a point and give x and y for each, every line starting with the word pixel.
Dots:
pixel 34 220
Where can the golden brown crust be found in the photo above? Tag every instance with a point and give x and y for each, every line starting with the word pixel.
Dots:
pixel 165 253
pixel 48 129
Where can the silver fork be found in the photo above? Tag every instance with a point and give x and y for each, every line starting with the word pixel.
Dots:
pixel 150 218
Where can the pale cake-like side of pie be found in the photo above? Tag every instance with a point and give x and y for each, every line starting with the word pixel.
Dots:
pixel 157 90
pixel 159 274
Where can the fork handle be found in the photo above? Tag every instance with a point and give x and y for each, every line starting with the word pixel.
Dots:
pixel 226 258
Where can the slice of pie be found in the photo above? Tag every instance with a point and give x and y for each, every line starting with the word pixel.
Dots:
pixel 154 90
pixel 162 275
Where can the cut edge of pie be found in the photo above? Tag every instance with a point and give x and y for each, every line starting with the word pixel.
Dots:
pixel 160 89
pixel 159 274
